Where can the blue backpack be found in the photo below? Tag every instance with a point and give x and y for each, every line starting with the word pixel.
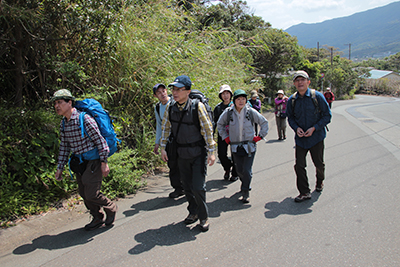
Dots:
pixel 104 122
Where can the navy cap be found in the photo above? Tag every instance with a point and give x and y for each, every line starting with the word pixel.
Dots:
pixel 155 87
pixel 182 81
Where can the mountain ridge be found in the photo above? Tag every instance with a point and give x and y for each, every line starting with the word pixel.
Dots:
pixel 371 33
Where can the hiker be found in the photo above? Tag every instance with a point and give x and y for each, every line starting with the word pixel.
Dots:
pixel 241 118
pixel 225 94
pixel 160 91
pixel 280 114
pixel 329 96
pixel 255 103
pixel 194 144
pixel 90 173
pixel 308 114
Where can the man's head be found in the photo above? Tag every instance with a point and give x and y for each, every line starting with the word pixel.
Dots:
pixel 225 93
pixel 160 91
pixel 328 89
pixel 181 88
pixel 301 81
pixel 63 102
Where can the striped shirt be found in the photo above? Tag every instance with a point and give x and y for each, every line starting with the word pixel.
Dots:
pixel 206 128
pixel 72 140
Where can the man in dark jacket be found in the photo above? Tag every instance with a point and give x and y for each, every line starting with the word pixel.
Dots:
pixel 195 147
pixel 308 114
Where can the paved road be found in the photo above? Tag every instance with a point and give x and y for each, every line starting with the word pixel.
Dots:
pixel 353 222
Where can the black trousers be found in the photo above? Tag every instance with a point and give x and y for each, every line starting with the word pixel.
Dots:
pixel 174 175
pixel 317 156
pixel 193 176
pixel 226 163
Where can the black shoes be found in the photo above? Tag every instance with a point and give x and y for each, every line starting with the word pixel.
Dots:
pixel 191 218
pixel 111 217
pixel 302 197
pixel 245 198
pixel 94 224
pixel 226 175
pixel 204 225
pixel 176 193
pixel 319 187
pixel 233 178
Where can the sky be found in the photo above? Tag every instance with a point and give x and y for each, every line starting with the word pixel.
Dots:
pixel 285 13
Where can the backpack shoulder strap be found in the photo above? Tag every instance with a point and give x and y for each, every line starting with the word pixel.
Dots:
pixel 315 100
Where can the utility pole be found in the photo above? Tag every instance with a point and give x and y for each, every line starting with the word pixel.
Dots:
pixel 349 50
pixel 318 51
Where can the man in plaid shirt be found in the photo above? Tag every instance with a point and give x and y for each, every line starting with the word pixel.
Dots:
pixel 89 174
pixel 196 147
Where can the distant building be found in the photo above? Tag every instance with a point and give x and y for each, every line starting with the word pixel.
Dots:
pixel 384 74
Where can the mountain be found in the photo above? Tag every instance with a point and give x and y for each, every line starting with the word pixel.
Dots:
pixel 372 33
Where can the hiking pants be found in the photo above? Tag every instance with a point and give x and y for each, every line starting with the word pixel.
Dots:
pixel 89 186
pixel 317 156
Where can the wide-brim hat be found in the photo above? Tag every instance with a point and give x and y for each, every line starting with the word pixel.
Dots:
pixel 62 94
pixel 224 88
pixel 280 92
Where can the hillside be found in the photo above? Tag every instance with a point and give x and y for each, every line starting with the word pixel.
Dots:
pixel 372 33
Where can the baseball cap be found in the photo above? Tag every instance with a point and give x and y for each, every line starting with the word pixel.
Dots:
pixel 62 94
pixel 182 81
pixel 300 73
pixel 155 87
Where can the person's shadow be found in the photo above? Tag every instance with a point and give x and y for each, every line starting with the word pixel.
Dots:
pixel 63 240
pixel 169 235
pixel 154 204
pixel 288 206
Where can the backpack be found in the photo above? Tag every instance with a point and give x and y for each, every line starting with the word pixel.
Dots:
pixel 198 96
pixel 104 122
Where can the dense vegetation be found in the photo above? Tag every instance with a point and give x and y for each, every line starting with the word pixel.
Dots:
pixel 115 51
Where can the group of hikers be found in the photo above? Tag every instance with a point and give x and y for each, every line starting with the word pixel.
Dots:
pixel 185 139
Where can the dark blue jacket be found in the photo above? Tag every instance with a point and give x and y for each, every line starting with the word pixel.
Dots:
pixel 305 115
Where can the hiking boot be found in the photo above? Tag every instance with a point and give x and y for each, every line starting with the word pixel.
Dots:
pixel 302 197
pixel 226 175
pixel 204 225
pixel 111 217
pixel 319 187
pixel 94 224
pixel 191 218
pixel 245 197
pixel 176 193
pixel 233 178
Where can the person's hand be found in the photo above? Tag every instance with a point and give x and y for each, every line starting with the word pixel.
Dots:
pixel 105 169
pixel 300 132
pixel 164 155
pixel 211 159
pixel 309 132
pixel 156 149
pixel 227 140
pixel 257 138
pixel 59 175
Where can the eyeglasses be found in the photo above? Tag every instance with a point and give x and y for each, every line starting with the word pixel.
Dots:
pixel 175 89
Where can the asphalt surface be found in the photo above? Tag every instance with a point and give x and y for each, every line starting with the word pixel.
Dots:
pixel 353 222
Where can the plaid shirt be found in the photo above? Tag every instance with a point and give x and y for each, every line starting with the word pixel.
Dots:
pixel 206 128
pixel 72 140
